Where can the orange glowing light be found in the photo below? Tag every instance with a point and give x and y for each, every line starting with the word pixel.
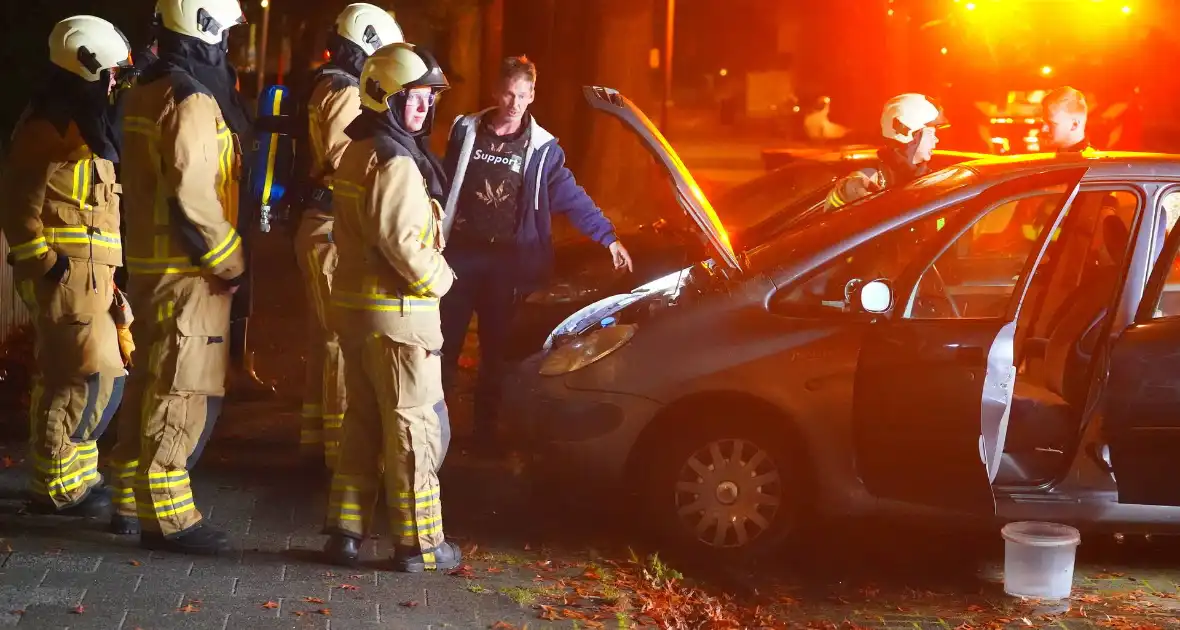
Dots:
pixel 943 51
pixel 1046 70
pixel 1126 10
pixel 970 6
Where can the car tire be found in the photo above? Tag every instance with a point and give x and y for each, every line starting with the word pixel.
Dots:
pixel 743 472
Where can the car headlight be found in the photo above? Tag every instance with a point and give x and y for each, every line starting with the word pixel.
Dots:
pixel 585 350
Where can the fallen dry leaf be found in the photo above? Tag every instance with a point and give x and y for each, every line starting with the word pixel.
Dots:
pixel 134 563
pixel 463 571
pixel 313 600
pixel 78 610
pixel 7 462
pixel 327 612
pixel 409 604
pixel 188 608
pixel 975 608
pixel 271 605
pixel 503 625
pixel 298 613
pixel 495 570
pixel 17 612
pixel 349 587
pixel 549 612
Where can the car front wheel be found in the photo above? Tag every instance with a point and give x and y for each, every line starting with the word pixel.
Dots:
pixel 732 492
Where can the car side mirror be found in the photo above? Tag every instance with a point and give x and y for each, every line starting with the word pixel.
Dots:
pixel 876 296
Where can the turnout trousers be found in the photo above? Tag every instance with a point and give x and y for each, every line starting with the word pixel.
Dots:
pixel 174 400
pixel 79 383
pixel 396 414
pixel 324 398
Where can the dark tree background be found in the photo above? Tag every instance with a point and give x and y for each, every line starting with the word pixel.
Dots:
pixel 605 42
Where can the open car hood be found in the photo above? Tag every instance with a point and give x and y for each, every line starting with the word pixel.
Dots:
pixel 688 193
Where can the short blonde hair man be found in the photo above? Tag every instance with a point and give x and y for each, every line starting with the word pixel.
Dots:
pixel 1064 111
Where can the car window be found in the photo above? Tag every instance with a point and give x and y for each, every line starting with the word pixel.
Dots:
pixel 1169 302
pixel 977 275
pixel 829 290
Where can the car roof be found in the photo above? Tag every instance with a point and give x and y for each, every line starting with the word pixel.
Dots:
pixel 1101 164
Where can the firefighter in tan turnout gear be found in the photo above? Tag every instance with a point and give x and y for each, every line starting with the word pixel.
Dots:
pixel 908 123
pixel 61 217
pixel 180 169
pixel 334 102
pixel 386 297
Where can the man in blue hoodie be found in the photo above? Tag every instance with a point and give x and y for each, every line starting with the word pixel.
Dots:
pixel 508 180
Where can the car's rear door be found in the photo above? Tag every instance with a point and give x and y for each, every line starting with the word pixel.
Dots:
pixel 1141 397
pixel 934 379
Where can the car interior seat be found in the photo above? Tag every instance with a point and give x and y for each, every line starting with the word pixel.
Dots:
pixel 1043 412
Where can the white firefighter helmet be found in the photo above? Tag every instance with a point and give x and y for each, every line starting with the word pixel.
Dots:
pixel 368 26
pixel 207 20
pixel 905 114
pixel 86 45
pixel 395 68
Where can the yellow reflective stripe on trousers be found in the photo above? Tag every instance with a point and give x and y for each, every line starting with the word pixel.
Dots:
pixel 383 302
pixel 423 527
pixel 162 480
pixel 82 235
pixel 428 560
pixel 124 478
pixel 29 249
pixel 333 421
pixel 169 507
pixel 345 511
pixel 224 249
pixel 420 500
pixel 59 478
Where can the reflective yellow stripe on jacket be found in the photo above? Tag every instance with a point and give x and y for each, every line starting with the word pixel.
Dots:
pixel 384 302
pixel 81 235
pixel 29 249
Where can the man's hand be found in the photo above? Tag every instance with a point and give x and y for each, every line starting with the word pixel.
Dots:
pixel 621 257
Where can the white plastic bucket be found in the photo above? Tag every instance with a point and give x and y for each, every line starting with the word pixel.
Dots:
pixel 1039 559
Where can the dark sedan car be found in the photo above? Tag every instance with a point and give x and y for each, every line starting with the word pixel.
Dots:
pixel 998 340
pixel 754 213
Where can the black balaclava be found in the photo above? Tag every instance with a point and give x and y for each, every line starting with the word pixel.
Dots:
pixel 346 55
pixel 209 65
pixel 390 124
pixel 65 97
pixel 897 159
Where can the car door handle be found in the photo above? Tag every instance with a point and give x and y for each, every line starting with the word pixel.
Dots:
pixel 969 354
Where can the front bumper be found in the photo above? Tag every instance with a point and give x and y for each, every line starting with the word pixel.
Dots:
pixel 580 439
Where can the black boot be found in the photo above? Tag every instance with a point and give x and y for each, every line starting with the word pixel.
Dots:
pixel 96 504
pixel 124 525
pixel 200 540
pixel 442 558
pixel 343 550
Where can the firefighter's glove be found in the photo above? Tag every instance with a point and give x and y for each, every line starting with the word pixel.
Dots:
pixel 861 185
pixel 121 313
pixel 126 344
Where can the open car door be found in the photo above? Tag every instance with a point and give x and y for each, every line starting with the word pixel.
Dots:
pixel 1141 399
pixel 932 394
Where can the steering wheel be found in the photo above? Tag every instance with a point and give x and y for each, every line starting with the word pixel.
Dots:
pixel 940 285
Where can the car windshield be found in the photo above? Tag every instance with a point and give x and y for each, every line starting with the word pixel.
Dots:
pixel 822 230
pixel 753 202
